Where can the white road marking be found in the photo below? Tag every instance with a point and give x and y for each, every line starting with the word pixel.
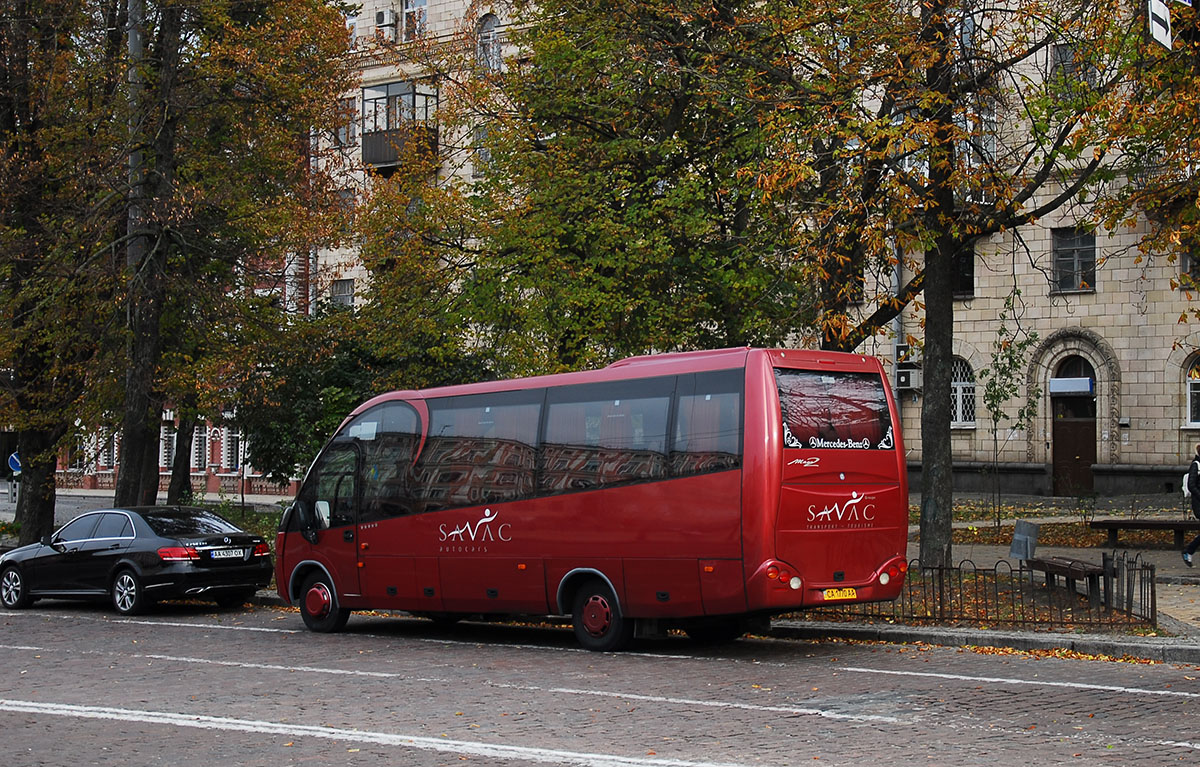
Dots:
pixel 1023 682
pixel 690 702
pixel 137 622
pixel 458 747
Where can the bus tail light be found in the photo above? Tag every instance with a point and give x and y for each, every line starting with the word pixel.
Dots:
pixel 892 571
pixel 177 554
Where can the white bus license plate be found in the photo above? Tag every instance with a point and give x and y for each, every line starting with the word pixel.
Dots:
pixel 834 594
pixel 228 553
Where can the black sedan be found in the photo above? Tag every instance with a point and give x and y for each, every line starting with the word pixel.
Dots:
pixel 137 555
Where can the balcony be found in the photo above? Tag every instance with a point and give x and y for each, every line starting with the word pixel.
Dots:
pixel 385 148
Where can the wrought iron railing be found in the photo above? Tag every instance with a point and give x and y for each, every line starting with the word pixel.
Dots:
pixel 1018 596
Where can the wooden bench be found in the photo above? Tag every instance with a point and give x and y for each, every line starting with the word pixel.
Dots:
pixel 1178 526
pixel 1070 570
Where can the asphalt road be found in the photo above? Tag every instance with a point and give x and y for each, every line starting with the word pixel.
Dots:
pixel 188 685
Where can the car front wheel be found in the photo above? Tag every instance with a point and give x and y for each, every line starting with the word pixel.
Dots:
pixel 128 597
pixel 13 590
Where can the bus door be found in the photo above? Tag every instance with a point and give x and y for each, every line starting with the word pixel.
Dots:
pixel 843 504
pixel 328 506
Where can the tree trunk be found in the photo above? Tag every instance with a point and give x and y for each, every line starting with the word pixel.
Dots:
pixel 180 489
pixel 39 462
pixel 937 469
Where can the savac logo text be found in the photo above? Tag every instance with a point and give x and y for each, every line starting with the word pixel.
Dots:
pixel 481 531
pixel 853 510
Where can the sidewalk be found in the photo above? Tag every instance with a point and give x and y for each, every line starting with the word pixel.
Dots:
pixel 1178 586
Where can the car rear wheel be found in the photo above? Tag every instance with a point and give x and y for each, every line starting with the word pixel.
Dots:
pixel 13 590
pixel 599 625
pixel 319 607
pixel 128 596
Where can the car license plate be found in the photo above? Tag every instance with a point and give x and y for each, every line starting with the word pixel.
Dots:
pixel 835 594
pixel 228 553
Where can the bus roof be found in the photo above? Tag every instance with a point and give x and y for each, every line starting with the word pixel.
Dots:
pixel 644 366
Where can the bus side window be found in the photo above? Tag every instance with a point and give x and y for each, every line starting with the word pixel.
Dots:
pixel 481 449
pixel 601 435
pixel 708 423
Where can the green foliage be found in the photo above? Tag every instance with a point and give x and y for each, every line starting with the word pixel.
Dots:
pixel 619 209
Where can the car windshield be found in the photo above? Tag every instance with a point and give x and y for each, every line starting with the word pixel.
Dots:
pixel 170 523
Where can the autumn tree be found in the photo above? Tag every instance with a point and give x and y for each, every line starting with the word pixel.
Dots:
pixel 611 190
pixel 911 132
pixel 222 99
pixel 59 149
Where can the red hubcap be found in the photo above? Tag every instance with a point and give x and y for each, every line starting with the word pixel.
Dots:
pixel 318 601
pixel 597 616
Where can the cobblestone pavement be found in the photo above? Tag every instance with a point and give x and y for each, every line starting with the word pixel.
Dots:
pixel 188 686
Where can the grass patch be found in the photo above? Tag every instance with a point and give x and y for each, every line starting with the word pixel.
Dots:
pixel 1067 534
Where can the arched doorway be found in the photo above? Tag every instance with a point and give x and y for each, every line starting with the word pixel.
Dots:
pixel 1073 405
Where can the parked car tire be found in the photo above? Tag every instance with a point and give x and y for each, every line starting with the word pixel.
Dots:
pixel 128 596
pixel 14 591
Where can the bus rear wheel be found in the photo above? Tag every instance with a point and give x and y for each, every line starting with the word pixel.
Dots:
pixel 599 624
pixel 318 605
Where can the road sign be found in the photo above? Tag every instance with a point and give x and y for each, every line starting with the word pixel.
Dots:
pixel 1160 22
pixel 14 463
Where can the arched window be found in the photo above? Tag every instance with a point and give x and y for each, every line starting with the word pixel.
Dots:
pixel 1193 393
pixel 487 44
pixel 962 393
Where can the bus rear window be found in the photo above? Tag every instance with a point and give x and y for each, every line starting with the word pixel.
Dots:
pixel 833 410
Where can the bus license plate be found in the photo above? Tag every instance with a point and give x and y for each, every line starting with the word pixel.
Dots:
pixel 230 554
pixel 835 594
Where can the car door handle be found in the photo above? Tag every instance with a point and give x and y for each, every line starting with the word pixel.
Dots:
pixel 347 535
pixel 115 546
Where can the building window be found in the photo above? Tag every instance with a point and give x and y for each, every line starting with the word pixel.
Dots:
pixel 1069 68
pixel 414 19
pixel 962 393
pixel 482 152
pixel 964 273
pixel 231 450
pixel 487 44
pixel 1189 271
pixel 1074 260
pixel 341 293
pixel 167 445
pixel 1193 393
pixel 347 116
pixel 200 446
pixel 391 106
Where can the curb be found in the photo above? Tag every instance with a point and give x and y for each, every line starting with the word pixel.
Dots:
pixel 1162 649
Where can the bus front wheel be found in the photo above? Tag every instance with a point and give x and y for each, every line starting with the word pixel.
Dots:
pixel 599 625
pixel 318 605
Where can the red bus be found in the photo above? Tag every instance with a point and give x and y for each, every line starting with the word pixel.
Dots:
pixel 697 490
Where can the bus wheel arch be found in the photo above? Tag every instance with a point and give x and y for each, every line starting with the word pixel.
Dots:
pixel 319 604
pixel 596 615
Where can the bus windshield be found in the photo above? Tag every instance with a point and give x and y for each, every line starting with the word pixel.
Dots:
pixel 833 410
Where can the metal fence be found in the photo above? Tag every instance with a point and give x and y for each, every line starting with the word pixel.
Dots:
pixel 1024 596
